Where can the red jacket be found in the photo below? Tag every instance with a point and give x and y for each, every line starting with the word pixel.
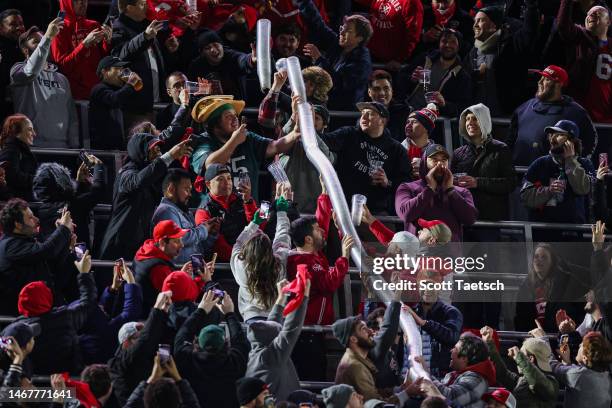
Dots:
pixel 325 280
pixel 397 28
pixel 76 61
pixel 159 272
pixel 214 17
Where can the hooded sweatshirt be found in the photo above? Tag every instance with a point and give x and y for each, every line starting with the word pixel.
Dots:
pixel 136 194
pixel 43 94
pixel 491 165
pixel 78 62
pixel 466 388
pixel 151 267
pixel 415 200
pixel 272 343
pixel 54 187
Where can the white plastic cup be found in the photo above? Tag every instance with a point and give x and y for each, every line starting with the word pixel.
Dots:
pixel 426 77
pixel 358 201
pixel 278 172
pixel 192 4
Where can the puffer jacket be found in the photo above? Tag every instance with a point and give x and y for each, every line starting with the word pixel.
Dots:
pixel 55 189
pixel 57 348
pixel 490 164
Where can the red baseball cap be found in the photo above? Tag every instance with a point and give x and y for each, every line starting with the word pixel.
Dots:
pixel 501 395
pixel 167 229
pixel 423 223
pixel 555 73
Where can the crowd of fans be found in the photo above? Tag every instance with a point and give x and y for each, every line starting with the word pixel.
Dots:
pixel 162 332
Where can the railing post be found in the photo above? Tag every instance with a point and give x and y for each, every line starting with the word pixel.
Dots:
pixel 448 135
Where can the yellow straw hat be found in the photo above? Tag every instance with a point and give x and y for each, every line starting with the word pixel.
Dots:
pixel 206 106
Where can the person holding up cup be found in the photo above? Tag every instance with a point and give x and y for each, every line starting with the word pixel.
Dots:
pixel 566 198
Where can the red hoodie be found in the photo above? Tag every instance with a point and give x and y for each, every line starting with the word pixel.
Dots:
pixel 76 61
pixel 397 28
pixel 159 272
pixel 214 17
pixel 325 280
pixel 486 369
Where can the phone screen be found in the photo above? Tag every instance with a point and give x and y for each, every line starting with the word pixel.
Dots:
pixel 164 353
pixel 61 14
pixel 197 263
pixel 79 250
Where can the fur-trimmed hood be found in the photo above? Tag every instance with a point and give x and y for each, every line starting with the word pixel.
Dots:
pixel 52 183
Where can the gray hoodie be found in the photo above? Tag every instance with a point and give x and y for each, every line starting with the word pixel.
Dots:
pixel 249 306
pixel 271 348
pixel 483 114
pixel 584 387
pixel 43 94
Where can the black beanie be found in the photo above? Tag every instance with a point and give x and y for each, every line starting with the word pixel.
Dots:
pixel 248 388
pixel 208 37
pixel 495 13
pixel 343 328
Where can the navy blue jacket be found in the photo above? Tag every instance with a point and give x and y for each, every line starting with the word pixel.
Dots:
pixel 349 72
pixel 573 207
pixel 526 135
pixel 443 324
pixel 98 339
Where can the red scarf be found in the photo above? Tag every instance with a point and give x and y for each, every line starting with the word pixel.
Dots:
pixel 83 392
pixel 442 19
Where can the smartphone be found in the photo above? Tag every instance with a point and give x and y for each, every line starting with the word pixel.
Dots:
pixel 564 338
pixel 62 210
pixel 4 164
pixel 197 263
pixel 121 263
pixel 264 210
pixel 164 353
pixel 85 159
pixel 214 258
pixel 217 291
pixel 79 250
pixel 603 159
pixel 61 14
pixel 4 343
pixel 165 25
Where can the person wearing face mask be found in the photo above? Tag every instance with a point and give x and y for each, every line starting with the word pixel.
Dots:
pixel 20 165
pixel 41 92
pixel 435 196
pixel 556 186
pixel 137 191
pixel 589 51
